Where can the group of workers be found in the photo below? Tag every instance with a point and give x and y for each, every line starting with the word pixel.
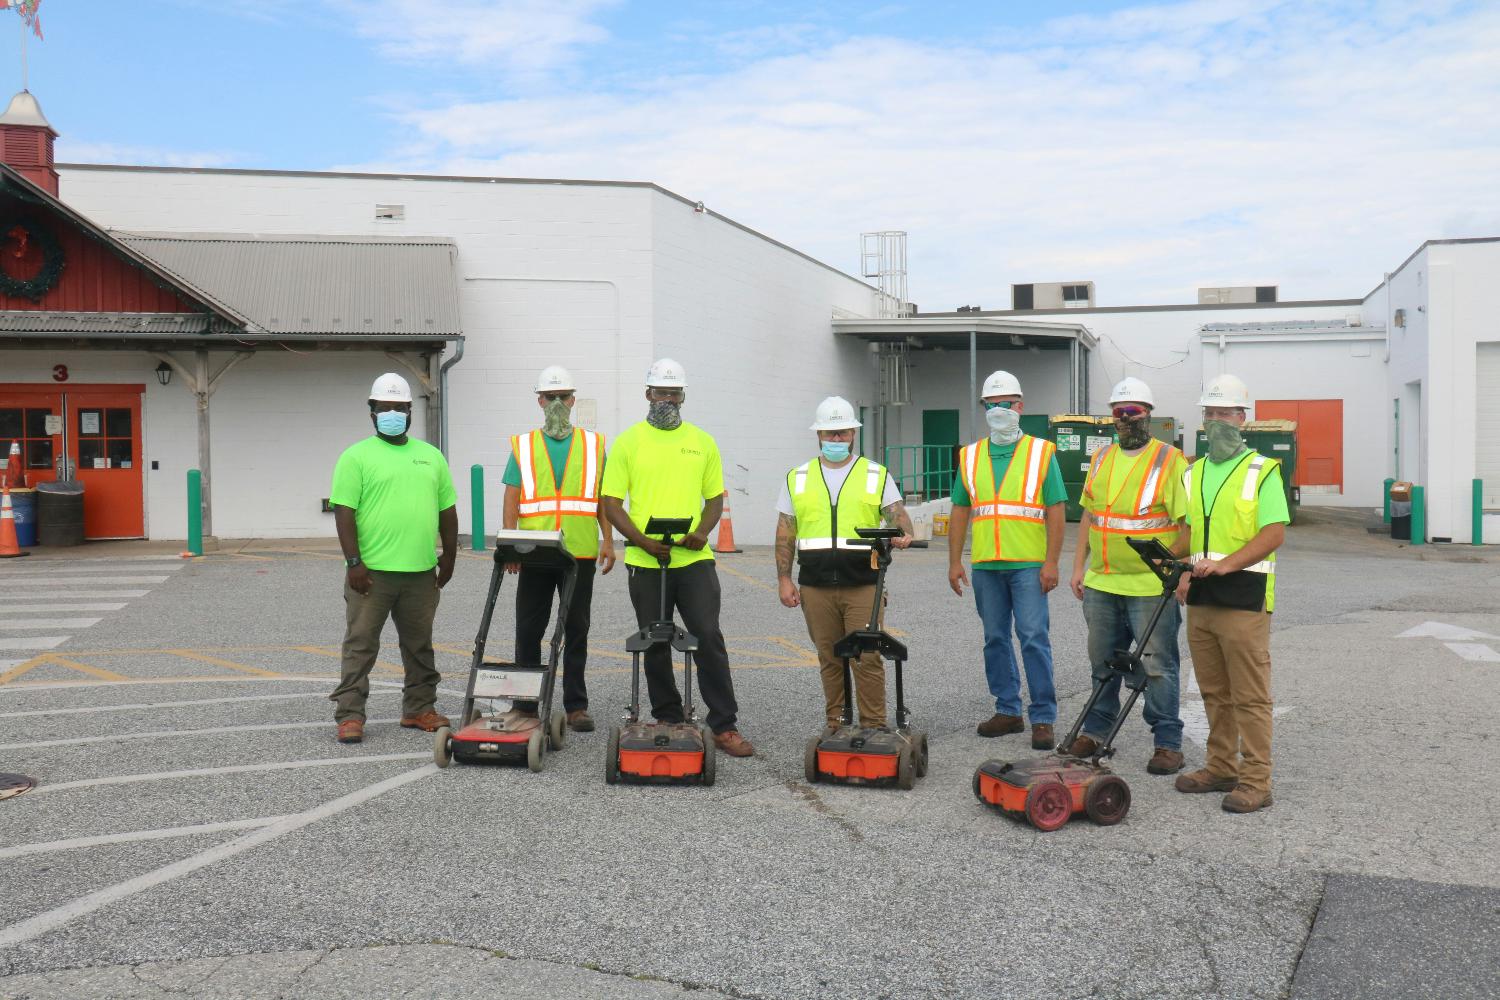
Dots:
pixel 1225 514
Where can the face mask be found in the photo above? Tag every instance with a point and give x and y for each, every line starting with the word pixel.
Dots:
pixel 1005 424
pixel 1224 440
pixel 835 451
pixel 391 423
pixel 1134 432
pixel 556 420
pixel 665 414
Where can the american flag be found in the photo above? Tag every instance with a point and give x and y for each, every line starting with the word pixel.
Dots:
pixel 27 10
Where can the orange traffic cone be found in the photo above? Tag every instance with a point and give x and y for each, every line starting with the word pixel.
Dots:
pixel 726 530
pixel 9 548
pixel 13 474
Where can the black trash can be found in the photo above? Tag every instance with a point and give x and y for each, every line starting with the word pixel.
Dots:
pixel 59 513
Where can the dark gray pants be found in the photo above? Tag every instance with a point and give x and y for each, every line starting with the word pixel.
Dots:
pixel 693 592
pixel 411 601
pixel 535 588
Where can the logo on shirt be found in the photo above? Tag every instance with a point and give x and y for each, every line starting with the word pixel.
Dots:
pixel 420 461
pixel 691 451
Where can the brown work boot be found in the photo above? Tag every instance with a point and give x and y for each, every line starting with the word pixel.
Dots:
pixel 1202 780
pixel 1041 737
pixel 580 721
pixel 352 731
pixel 1244 800
pixel 1084 746
pixel 731 742
pixel 1000 725
pixel 1165 761
pixel 428 721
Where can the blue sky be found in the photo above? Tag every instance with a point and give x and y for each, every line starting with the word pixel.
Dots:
pixel 1150 148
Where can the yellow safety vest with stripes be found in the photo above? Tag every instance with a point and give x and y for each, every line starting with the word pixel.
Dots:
pixel 1135 511
pixel 824 529
pixel 1008 521
pixel 1225 527
pixel 573 505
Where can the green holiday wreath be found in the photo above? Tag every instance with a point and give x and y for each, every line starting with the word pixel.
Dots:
pixel 24 232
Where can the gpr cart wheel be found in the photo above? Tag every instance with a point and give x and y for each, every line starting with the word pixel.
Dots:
pixel 906 768
pixel 441 755
pixel 710 757
pixel 919 740
pixel 612 757
pixel 810 761
pixel 534 749
pixel 1048 805
pixel 557 731
pixel 1107 800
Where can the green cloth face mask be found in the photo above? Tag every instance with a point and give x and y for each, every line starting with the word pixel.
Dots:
pixel 1224 440
pixel 556 419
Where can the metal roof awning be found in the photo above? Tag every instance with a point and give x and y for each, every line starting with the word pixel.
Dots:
pixel 990 333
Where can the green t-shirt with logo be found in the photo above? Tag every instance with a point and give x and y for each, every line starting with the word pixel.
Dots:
pixel 661 473
pixel 396 492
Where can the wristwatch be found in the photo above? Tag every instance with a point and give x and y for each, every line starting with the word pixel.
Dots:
pixel 351 563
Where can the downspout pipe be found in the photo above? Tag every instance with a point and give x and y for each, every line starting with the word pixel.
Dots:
pixel 443 396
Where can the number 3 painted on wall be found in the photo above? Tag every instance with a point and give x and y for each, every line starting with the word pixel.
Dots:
pixel 59 373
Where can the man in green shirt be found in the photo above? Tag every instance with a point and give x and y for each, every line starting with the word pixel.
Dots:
pixel 392 498
pixel 666 467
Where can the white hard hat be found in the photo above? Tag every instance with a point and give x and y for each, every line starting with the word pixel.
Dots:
pixel 835 414
pixel 666 374
pixel 1226 390
pixel 1131 390
pixel 1001 384
pixel 391 388
pixel 555 378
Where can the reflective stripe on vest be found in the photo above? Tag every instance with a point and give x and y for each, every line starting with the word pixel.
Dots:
pixel 1230 526
pixel 1141 515
pixel 815 514
pixel 1016 500
pixel 571 506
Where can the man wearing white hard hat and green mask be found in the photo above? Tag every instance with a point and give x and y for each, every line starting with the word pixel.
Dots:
pixel 666 467
pixel 1238 515
pixel 392 500
pixel 822 502
pixel 1009 487
pixel 552 484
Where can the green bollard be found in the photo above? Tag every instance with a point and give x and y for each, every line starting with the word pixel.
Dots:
pixel 1477 532
pixel 1418 515
pixel 1386 517
pixel 195 511
pixel 476 505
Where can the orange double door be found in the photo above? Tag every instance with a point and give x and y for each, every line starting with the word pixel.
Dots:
pixel 92 431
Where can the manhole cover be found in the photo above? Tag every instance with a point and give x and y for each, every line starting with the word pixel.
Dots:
pixel 12 785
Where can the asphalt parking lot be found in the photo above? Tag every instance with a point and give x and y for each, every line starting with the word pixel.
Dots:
pixel 197 830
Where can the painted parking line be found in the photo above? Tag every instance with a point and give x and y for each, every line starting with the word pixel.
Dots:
pixel 32 927
pixel 34 642
pixel 105 581
pixel 24 624
pixel 13 607
pixel 152 706
pixel 162 734
pixel 27 687
pixel 202 772
pixel 97 595
pixel 245 668
pixel 104 562
pixel 136 837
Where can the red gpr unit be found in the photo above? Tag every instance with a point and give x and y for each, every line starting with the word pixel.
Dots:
pixel 665 753
pixel 520 734
pixel 1048 791
pixel 862 755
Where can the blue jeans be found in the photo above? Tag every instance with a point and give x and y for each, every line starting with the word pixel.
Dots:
pixel 1007 595
pixel 1114 623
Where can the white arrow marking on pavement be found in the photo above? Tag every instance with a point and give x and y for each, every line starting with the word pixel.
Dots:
pixel 1474 651
pixel 1442 630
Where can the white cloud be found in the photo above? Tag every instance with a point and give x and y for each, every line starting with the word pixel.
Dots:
pixel 1311 145
pixel 518 36
pixel 75 151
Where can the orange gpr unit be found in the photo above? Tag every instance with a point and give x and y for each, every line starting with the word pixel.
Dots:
pixel 1048 791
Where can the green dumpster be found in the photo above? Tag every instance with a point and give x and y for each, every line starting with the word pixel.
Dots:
pixel 1078 437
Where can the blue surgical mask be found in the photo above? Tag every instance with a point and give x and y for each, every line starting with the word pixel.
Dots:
pixel 391 423
pixel 835 451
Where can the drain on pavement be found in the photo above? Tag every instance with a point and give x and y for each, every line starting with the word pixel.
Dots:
pixel 12 785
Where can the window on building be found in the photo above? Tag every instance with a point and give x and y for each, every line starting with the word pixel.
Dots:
pixel 28 427
pixel 1022 297
pixel 1265 293
pixel 1075 296
pixel 105 439
pixel 390 213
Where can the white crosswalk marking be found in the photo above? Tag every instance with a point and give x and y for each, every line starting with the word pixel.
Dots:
pixel 48 581
pixel 33 642
pixel 35 593
pixel 21 609
pixel 90 594
pixel 25 624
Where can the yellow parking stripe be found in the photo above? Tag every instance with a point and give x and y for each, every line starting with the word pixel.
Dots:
pixel 17 671
pixel 187 654
pixel 338 655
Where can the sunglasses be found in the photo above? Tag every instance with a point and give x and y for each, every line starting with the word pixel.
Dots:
pixel 1006 404
pixel 1129 412
pixel 553 397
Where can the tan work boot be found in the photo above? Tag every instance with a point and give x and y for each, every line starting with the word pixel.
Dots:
pixel 1165 761
pixel 1245 800
pixel 580 721
pixel 428 721
pixel 1084 746
pixel 352 731
pixel 731 742
pixel 1203 780
pixel 1001 725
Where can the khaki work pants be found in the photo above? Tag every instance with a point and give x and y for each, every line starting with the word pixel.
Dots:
pixel 1232 660
pixel 831 614
pixel 411 601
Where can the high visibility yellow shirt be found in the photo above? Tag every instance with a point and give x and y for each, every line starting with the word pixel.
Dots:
pixel 661 473
pixel 571 506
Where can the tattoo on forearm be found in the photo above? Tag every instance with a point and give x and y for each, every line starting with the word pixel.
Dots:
pixel 786 543
pixel 896 515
